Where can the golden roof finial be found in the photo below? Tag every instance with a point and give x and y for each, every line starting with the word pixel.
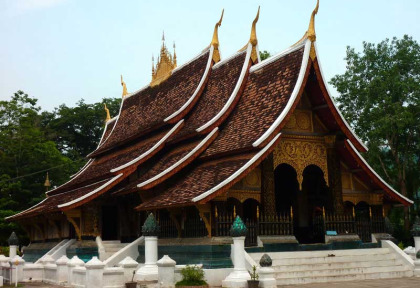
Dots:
pixel 253 38
pixel 215 39
pixel 174 54
pixel 124 92
pixel 164 66
pixel 47 183
pixel 108 116
pixel 311 29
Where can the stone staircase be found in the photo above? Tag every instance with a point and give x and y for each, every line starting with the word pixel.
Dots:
pixel 335 265
pixel 112 247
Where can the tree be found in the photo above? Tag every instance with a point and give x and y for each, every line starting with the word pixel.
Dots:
pixel 380 97
pixel 25 156
pixel 264 55
pixel 77 130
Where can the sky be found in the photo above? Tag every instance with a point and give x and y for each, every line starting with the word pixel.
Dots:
pixel 60 51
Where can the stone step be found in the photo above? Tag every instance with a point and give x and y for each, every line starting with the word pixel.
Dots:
pixel 111 242
pixel 340 272
pixel 323 253
pixel 336 259
pixel 346 277
pixel 337 265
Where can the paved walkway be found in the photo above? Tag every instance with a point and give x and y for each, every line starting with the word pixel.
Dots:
pixel 382 283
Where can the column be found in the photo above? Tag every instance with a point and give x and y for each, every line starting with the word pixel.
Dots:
pixel 239 276
pixel 150 230
pixel 266 273
pixel 13 244
pixel 71 264
pixel 267 186
pixel 130 266
pixel 62 269
pixel 334 174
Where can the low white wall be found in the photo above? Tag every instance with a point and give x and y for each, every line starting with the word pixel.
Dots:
pixel 131 250
pixel 79 277
pixel 50 273
pixel 33 272
pixel 113 277
pixel 214 277
pixel 400 254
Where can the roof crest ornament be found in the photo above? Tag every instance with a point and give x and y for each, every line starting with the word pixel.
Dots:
pixel 124 92
pixel 164 66
pixel 108 116
pixel 311 33
pixel 215 39
pixel 47 182
pixel 253 40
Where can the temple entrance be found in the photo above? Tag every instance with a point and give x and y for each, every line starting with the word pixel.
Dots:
pixel 110 223
pixel 308 203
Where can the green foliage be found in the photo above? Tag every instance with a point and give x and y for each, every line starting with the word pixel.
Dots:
pixel 192 276
pixel 33 142
pixel 77 130
pixel 380 98
pixel 401 245
pixel 264 55
pixel 254 274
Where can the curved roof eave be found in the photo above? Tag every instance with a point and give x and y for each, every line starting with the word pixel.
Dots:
pixel 378 179
pixel 337 115
pixel 255 160
pixel 296 90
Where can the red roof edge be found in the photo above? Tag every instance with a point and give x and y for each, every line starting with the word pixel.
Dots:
pixel 334 110
pixel 375 177
pixel 238 175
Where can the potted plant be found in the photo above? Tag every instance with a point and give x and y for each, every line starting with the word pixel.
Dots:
pixel 192 276
pixel 254 282
pixel 131 284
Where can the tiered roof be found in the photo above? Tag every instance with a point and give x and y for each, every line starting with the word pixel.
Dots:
pixel 205 127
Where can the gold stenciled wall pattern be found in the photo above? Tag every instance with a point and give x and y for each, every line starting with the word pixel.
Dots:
pixel 300 152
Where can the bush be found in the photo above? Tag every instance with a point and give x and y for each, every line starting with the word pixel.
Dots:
pixel 192 276
pixel 4 250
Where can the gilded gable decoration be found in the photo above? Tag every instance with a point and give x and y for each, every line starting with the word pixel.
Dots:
pixel 124 92
pixel 300 152
pixel 310 33
pixel 108 116
pixel 164 66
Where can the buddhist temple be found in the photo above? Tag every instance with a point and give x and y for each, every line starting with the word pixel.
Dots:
pixel 218 137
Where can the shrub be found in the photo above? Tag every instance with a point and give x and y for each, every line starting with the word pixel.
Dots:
pixel 192 276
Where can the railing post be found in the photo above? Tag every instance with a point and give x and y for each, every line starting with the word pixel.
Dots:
pixel 150 230
pixel 239 276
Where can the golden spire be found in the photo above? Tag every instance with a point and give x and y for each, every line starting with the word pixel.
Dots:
pixel 108 116
pixel 164 66
pixel 47 183
pixel 215 39
pixel 124 92
pixel 253 38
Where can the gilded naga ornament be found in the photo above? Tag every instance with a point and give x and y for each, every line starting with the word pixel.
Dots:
pixel 215 39
pixel 253 38
pixel 124 92
pixel 108 116
pixel 164 66
pixel 310 33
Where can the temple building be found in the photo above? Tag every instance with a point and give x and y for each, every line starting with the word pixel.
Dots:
pixel 218 137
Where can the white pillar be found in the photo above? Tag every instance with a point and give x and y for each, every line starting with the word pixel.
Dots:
pixel 267 279
pixel 12 250
pixel 130 266
pixel 17 268
pixel 4 262
pixel 62 269
pixel 417 243
pixel 94 273
pixel 71 264
pixel 149 272
pixel 239 276
pixel 166 272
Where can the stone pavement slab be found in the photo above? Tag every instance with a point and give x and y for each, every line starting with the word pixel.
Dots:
pixel 378 283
